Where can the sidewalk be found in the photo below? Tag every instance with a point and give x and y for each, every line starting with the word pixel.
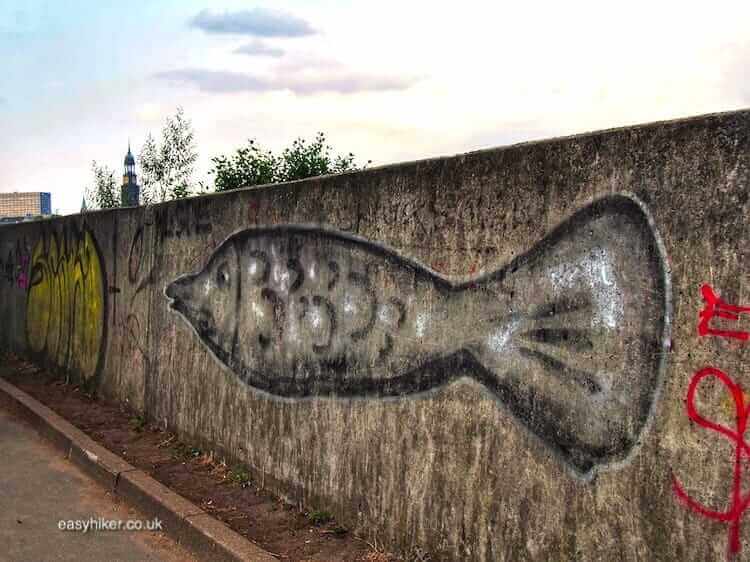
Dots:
pixel 38 488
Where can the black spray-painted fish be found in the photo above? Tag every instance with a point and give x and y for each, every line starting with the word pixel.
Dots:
pixel 570 336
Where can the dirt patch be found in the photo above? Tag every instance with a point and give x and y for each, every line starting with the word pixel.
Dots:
pixel 227 493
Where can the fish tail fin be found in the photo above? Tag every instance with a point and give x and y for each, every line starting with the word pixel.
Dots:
pixel 577 331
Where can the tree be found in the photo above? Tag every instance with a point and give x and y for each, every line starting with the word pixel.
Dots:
pixel 252 165
pixel 103 194
pixel 306 160
pixel 167 167
pixel 150 168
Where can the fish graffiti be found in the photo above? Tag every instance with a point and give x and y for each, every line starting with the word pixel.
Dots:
pixel 569 337
pixel 65 305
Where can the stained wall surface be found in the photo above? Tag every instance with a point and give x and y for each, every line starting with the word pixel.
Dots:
pixel 528 353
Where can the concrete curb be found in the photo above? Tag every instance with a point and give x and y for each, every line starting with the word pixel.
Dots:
pixel 185 522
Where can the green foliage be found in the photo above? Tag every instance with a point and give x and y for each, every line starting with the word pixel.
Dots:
pixel 150 170
pixel 240 476
pixel 252 165
pixel 185 452
pixel 303 160
pixel 138 423
pixel 104 193
pixel 167 167
pixel 317 517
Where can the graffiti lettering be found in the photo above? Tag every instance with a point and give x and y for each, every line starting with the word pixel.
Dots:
pixel 738 503
pixel 23 279
pixel 65 305
pixel 716 307
pixel 135 258
pixel 16 267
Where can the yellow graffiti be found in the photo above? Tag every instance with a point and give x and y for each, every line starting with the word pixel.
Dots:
pixel 65 306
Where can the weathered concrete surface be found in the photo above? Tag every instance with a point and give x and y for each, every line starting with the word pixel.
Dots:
pixel 495 368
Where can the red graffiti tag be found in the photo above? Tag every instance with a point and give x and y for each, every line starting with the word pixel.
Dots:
pixel 23 279
pixel 738 503
pixel 717 307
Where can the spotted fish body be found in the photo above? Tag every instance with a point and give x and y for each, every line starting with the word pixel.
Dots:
pixel 569 337
pixel 300 311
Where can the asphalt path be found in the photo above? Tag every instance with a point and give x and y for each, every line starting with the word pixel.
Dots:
pixel 41 491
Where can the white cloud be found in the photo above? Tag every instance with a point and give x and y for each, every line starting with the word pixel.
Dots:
pixel 221 81
pixel 420 80
pixel 341 82
pixel 258 22
pixel 258 48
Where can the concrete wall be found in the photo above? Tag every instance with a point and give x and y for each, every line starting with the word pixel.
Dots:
pixel 497 356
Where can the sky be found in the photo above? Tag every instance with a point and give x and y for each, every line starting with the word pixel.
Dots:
pixel 391 80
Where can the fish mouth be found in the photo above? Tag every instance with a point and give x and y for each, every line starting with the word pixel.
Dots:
pixel 197 317
pixel 172 290
pixel 175 292
pixel 179 289
pixel 177 305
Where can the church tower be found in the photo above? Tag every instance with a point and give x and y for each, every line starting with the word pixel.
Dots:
pixel 131 192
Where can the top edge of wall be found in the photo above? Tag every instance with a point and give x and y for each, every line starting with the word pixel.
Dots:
pixel 652 125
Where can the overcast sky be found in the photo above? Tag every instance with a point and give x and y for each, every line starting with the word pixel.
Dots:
pixel 388 80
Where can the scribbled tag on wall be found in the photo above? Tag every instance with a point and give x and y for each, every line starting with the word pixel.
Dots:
pixel 65 305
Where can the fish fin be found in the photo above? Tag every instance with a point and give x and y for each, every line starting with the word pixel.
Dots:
pixel 577 331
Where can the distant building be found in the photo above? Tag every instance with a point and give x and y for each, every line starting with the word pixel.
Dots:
pixel 25 206
pixel 131 192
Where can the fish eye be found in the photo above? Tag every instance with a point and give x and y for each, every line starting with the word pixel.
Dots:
pixel 222 275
